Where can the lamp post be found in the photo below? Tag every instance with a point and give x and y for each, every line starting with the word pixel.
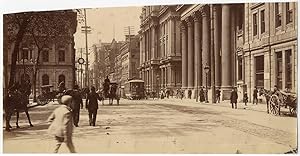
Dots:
pixel 206 69
pixel 157 83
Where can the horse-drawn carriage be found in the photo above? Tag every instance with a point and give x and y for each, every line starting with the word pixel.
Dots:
pixel 287 100
pixel 47 95
pixel 275 101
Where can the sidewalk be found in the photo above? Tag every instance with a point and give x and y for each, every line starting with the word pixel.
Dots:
pixel 260 107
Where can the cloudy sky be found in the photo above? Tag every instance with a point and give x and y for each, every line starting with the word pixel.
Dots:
pixel 105 21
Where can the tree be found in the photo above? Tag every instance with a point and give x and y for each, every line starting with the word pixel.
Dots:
pixel 39 29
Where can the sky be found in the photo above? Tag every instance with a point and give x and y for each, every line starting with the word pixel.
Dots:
pixel 105 21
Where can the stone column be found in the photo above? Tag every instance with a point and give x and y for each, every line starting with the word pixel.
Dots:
pixel 226 51
pixel 184 55
pixel 153 42
pixel 198 55
pixel 217 44
pixel 205 44
pixel 190 53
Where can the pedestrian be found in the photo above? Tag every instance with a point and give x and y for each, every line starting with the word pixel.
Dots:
pixel 202 97
pixel 181 94
pixel 255 99
pixel 218 95
pixel 189 94
pixel 245 98
pixel 62 124
pixel 92 105
pixel 77 104
pixel 233 98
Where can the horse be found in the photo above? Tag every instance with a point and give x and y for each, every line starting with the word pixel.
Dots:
pixel 267 94
pixel 15 102
pixel 110 92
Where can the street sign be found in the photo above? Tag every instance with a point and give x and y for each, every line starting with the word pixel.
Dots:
pixel 80 61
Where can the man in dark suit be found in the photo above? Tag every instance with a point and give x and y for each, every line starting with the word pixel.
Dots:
pixel 92 105
pixel 77 104
pixel 255 99
pixel 233 98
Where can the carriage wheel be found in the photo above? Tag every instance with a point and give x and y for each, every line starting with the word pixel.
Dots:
pixel 42 100
pixel 274 105
pixel 293 111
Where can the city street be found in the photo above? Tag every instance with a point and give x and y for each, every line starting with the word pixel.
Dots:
pixel 161 126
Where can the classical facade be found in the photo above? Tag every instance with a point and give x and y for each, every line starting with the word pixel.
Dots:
pixel 160 53
pixel 56 61
pixel 236 45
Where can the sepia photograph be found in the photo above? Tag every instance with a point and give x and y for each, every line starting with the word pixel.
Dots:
pixel 190 78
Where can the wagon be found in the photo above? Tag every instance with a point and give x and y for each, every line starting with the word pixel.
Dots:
pixel 47 95
pixel 288 100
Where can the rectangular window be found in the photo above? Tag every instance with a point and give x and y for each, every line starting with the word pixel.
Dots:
pixel 277 15
pixel 240 17
pixel 259 71
pixel 288 69
pixel 262 17
pixel 61 55
pixel 45 55
pixel 255 24
pixel 25 53
pixel 289 13
pixel 279 70
pixel 240 68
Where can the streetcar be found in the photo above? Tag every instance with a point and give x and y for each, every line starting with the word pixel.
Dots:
pixel 134 89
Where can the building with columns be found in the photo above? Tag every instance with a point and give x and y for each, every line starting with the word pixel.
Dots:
pixel 242 45
pixel 160 53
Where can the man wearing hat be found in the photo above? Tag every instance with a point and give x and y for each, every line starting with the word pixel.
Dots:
pixel 62 124
pixel 92 105
pixel 77 104
pixel 233 98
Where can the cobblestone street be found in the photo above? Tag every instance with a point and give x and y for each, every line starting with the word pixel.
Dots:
pixel 162 126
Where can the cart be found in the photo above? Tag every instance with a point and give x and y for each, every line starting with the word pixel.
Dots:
pixel 46 95
pixel 287 100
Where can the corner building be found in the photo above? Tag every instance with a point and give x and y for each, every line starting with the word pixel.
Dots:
pixel 243 45
pixel 160 53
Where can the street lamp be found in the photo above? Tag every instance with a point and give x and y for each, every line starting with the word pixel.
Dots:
pixel 206 69
pixel 157 83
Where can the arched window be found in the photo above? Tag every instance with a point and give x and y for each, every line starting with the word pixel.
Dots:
pixel 61 78
pixel 45 79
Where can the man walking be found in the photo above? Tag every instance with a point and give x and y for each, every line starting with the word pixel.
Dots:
pixel 218 94
pixel 92 105
pixel 62 124
pixel 233 98
pixel 255 99
pixel 77 104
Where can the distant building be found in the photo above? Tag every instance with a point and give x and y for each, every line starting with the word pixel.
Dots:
pixel 56 64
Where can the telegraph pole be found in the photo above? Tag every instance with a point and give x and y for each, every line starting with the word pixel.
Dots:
pixel 86 30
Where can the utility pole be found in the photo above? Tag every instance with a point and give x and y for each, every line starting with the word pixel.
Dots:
pixel 86 30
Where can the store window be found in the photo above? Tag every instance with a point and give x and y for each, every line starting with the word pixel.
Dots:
pixel 288 68
pixel 279 70
pixel 259 71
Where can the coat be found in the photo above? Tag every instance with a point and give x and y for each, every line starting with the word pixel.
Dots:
pixel 61 122
pixel 92 101
pixel 77 100
pixel 233 97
